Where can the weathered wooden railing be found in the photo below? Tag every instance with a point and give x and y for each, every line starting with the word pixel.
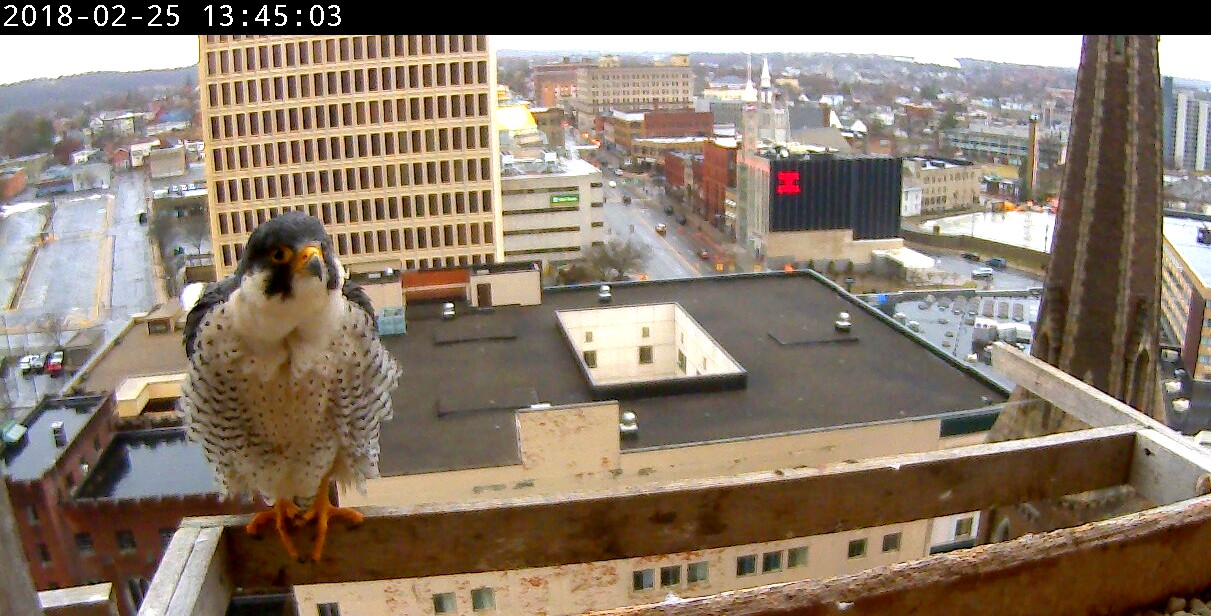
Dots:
pixel 1098 568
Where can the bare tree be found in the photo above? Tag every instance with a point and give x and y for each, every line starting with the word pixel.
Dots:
pixel 54 324
pixel 194 230
pixel 615 258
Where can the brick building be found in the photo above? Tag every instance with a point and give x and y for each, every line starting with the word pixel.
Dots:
pixel 553 83
pixel 718 174
pixel 95 504
pixel 678 123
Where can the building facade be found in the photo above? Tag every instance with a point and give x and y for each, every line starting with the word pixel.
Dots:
pixel 387 139
pixel 610 85
pixel 1187 117
pixel 718 175
pixel 1009 145
pixel 552 211
pixel 555 83
pixel 805 204
pixel 946 184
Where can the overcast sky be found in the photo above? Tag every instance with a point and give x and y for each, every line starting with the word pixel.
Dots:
pixel 54 56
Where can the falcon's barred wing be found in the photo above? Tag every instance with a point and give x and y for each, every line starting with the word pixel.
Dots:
pixel 215 293
pixel 366 376
pixel 210 396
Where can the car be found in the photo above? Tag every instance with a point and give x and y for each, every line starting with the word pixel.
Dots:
pixel 618 172
pixel 626 199
pixel 971 256
pixel 54 364
pixel 668 210
pixel 982 272
pixel 996 262
pixel 704 254
pixel 662 228
pixel 613 184
pixel 37 364
pixel 26 364
pixel 681 220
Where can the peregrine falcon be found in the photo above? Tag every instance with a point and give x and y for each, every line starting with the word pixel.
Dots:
pixel 288 382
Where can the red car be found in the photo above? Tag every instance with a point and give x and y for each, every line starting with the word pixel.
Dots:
pixel 54 364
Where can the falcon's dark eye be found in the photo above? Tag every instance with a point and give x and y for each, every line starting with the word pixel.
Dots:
pixel 281 255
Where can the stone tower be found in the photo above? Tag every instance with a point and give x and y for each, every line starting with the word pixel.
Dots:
pixel 1098 318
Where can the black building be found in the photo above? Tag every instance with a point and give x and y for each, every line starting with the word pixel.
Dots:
pixel 818 192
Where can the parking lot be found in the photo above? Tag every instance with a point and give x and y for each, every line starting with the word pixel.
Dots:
pixel 947 321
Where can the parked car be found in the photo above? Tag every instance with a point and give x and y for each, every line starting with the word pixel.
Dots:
pixel 626 199
pixel 982 272
pixel 613 184
pixel 971 256
pixel 26 364
pixel 681 220
pixel 996 262
pixel 618 172
pixel 661 228
pixel 704 254
pixel 54 365
pixel 37 364
pixel 668 210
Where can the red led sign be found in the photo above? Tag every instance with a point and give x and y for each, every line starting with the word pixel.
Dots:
pixel 788 183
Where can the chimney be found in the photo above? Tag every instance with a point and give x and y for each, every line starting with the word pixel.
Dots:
pixel 59 433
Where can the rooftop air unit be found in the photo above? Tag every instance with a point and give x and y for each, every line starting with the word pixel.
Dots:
pixel 60 435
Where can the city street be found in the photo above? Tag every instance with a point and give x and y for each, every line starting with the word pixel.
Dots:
pixel 673 255
pixel 1008 278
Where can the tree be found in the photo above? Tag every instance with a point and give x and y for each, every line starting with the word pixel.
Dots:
pixel 930 92
pixel 25 133
pixel 54 324
pixel 949 121
pixel 194 230
pixel 615 258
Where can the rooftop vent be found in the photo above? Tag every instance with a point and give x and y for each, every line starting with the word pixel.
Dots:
pixel 1204 235
pixel 448 310
pixel 604 295
pixel 56 430
pixel 627 426
pixel 842 323
pixel 1181 405
pixel 1173 386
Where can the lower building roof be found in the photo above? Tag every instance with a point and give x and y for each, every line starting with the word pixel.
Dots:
pixel 150 463
pixel 36 453
pixel 454 407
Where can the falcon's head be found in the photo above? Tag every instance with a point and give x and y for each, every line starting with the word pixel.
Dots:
pixel 290 257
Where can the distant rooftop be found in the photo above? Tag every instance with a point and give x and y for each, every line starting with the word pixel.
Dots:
pixel 463 379
pixel 33 456
pixel 1182 234
pixel 149 463
pixel 135 352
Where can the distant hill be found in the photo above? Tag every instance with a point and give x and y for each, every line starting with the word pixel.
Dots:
pixel 70 93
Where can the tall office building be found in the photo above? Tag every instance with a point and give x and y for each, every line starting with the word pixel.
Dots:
pixel 1187 122
pixel 387 139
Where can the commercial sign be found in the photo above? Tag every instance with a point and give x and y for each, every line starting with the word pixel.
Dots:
pixel 572 198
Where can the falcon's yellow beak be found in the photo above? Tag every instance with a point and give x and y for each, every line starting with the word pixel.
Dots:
pixel 307 256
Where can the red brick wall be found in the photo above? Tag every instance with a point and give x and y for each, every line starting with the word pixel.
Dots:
pixel 11 185
pixel 718 173
pixel 678 124
pixel 674 170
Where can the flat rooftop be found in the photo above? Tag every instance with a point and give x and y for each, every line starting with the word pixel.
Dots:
pixel 1182 235
pixel 34 455
pixel 455 404
pixel 135 352
pixel 149 463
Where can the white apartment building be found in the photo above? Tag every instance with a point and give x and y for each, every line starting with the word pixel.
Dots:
pixel 552 211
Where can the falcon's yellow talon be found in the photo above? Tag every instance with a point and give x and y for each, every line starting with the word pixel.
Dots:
pixel 321 511
pixel 282 515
